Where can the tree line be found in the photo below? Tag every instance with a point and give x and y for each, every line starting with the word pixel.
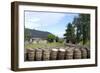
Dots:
pixel 78 30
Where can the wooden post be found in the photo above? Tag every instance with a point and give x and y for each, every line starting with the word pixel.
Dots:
pixel 53 55
pixel 61 54
pixel 31 54
pixel 46 54
pixel 77 53
pixel 38 56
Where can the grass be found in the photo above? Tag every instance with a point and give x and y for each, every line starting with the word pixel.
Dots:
pixel 43 45
pixel 50 45
pixel 86 44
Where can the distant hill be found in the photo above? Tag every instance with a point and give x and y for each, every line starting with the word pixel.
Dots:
pixel 37 33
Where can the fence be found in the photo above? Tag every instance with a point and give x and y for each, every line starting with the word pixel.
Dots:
pixel 64 53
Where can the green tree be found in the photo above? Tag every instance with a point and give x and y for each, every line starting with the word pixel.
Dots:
pixel 70 33
pixel 27 35
pixel 85 22
pixel 51 38
pixel 82 23
pixel 57 39
pixel 79 28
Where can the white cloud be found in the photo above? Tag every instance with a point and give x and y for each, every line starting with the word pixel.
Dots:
pixel 60 34
pixel 38 19
pixel 32 25
pixel 34 20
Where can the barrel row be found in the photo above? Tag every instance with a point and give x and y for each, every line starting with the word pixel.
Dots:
pixel 56 54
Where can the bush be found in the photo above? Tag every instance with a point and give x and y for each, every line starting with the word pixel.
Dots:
pixel 51 38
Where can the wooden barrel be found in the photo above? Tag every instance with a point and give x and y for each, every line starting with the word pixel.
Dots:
pixel 88 52
pixel 83 53
pixel 53 55
pixel 66 48
pixel 38 56
pixel 61 54
pixel 77 53
pixel 69 53
pixel 31 54
pixel 25 55
pixel 46 54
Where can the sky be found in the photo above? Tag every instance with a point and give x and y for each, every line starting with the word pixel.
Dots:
pixel 52 22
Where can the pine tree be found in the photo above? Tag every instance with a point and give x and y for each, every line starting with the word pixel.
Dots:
pixel 82 23
pixel 70 33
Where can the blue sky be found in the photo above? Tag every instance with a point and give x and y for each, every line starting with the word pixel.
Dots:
pixel 53 22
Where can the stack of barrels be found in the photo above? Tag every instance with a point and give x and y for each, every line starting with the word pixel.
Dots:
pixel 56 54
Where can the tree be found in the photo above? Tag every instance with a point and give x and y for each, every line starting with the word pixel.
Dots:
pixel 78 26
pixel 27 35
pixel 70 33
pixel 51 38
pixel 85 22
pixel 82 23
pixel 57 39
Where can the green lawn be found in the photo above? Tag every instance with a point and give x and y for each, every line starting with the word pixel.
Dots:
pixel 86 44
pixel 42 45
